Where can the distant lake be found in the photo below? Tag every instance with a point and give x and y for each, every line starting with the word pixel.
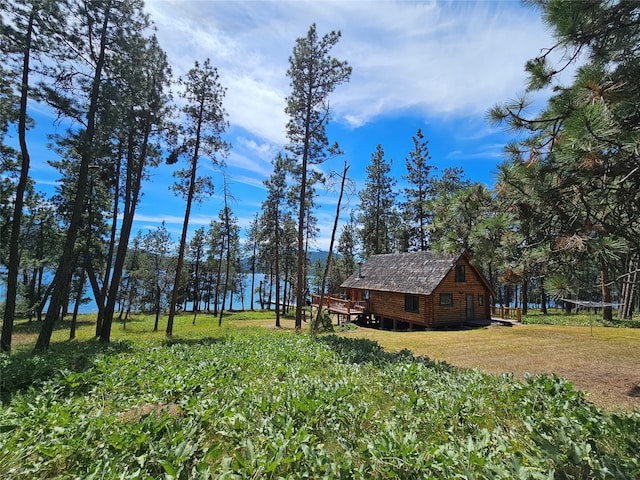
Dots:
pixel 239 303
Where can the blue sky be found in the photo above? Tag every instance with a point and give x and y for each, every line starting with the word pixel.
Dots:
pixel 434 65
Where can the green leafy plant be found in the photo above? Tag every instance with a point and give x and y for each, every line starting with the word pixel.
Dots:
pixel 263 403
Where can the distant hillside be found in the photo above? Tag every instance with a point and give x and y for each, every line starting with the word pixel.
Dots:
pixel 314 256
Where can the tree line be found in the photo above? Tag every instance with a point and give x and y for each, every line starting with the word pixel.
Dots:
pixel 100 68
pixel 561 220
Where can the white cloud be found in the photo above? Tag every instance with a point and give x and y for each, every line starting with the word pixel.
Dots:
pixel 438 61
pixel 438 58
pixel 255 106
pixel 454 59
pixel 251 181
pixel 262 153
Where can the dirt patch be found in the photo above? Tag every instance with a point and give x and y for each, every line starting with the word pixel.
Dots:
pixel 135 414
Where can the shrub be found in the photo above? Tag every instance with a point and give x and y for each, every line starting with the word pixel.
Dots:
pixel 274 404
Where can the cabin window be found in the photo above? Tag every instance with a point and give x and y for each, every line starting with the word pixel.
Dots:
pixel 460 277
pixel 480 299
pixel 412 303
pixel 446 299
pixel 365 294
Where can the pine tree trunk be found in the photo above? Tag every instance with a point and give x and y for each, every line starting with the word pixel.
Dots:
pixel 543 298
pixel 524 295
pixel 14 242
pixel 63 273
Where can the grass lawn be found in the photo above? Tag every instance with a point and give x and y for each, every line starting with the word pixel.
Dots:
pixel 606 364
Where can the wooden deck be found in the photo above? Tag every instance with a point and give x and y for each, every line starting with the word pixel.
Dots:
pixel 340 306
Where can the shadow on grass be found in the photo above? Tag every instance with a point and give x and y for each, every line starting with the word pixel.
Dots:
pixel 33 327
pixel 194 341
pixel 363 350
pixel 131 319
pixel 24 369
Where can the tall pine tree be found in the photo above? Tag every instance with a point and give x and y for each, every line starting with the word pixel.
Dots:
pixel 201 135
pixel 378 213
pixel 314 74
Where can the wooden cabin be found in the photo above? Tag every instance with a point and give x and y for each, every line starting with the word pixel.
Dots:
pixel 420 289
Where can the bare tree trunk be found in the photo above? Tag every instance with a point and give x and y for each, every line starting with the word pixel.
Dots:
pixel 218 280
pixel 196 288
pixel 524 296
pixel 157 309
pixel 277 265
pixel 607 311
pixel 327 265
pixel 629 287
pixel 76 307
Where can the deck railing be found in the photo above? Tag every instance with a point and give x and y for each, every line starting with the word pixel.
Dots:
pixel 512 313
pixel 334 303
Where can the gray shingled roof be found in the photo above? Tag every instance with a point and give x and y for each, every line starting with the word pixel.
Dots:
pixel 414 272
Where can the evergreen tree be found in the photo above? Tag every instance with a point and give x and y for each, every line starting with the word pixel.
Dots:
pixel 158 249
pixel 252 239
pixel 229 232
pixel 585 141
pixel 417 194
pixel 272 220
pixel 201 135
pixel 94 34
pixel 40 240
pixel 378 214
pixel 314 74
pixel 25 38
pixel 457 215
pixel 142 102
pixel 197 252
pixel 216 244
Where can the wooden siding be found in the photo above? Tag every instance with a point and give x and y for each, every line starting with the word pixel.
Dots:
pixel 390 305
pixel 457 311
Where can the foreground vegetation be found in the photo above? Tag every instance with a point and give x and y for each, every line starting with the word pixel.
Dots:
pixel 248 402
pixel 603 362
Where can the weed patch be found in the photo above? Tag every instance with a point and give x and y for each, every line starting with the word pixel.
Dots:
pixel 274 404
